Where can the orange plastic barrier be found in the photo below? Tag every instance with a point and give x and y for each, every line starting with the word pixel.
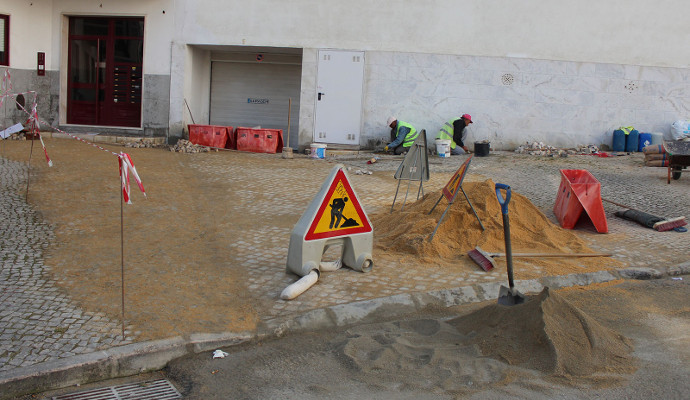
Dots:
pixel 209 135
pixel 260 140
pixel 579 191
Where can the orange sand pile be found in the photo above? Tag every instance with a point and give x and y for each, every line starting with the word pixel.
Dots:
pixel 549 334
pixel 408 231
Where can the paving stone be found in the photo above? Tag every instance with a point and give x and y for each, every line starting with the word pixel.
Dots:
pixel 31 306
pixel 27 290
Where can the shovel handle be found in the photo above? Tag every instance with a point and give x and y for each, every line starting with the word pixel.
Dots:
pixel 501 200
pixel 506 228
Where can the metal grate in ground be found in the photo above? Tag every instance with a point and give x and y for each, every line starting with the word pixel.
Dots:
pixel 151 390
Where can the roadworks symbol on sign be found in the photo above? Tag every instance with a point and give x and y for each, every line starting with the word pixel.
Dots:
pixel 340 213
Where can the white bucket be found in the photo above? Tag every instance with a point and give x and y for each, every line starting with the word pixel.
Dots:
pixel 318 150
pixel 443 147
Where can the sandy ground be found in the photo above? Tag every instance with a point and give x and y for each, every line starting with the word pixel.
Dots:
pixel 638 337
pixel 181 277
pixel 169 237
pixel 181 274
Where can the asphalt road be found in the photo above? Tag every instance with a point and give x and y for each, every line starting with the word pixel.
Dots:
pixel 654 315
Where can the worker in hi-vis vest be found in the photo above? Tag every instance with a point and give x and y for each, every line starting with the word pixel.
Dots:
pixel 402 136
pixel 454 130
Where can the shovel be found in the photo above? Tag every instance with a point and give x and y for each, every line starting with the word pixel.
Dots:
pixel 507 296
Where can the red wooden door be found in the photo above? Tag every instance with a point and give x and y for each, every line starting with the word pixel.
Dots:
pixel 105 71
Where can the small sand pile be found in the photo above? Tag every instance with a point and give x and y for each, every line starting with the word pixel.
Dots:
pixel 531 231
pixel 548 334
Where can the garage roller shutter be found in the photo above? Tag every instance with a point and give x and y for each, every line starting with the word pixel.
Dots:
pixel 254 94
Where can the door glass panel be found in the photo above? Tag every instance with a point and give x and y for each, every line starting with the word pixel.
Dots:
pixel 129 27
pixel 102 54
pixel 83 61
pixel 83 94
pixel 129 51
pixel 89 26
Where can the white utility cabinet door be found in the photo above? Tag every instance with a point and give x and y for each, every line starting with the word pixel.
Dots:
pixel 339 97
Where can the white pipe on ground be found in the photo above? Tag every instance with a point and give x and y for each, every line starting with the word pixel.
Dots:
pixel 300 286
pixel 330 266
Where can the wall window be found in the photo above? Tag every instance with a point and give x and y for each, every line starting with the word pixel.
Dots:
pixel 4 39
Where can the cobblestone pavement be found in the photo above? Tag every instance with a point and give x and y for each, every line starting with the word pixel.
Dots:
pixel 38 322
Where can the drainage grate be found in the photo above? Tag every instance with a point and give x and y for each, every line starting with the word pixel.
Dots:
pixel 152 390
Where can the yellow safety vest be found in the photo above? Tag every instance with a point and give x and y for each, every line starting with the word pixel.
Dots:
pixel 627 129
pixel 447 131
pixel 411 135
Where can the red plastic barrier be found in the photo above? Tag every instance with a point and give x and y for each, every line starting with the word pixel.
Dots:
pixel 579 191
pixel 220 136
pixel 260 140
pixel 201 134
pixel 209 135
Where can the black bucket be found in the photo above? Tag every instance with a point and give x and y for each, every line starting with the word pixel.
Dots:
pixel 481 149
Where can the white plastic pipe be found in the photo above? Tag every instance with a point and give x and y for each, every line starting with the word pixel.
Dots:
pixel 300 286
pixel 330 266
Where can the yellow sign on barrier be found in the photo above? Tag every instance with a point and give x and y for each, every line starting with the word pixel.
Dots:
pixel 340 213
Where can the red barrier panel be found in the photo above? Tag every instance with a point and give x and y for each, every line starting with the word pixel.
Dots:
pixel 209 135
pixel 260 140
pixel 579 191
pixel 220 136
pixel 201 134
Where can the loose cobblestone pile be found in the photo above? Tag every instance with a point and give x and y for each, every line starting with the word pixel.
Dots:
pixel 541 149
pixel 143 143
pixel 185 146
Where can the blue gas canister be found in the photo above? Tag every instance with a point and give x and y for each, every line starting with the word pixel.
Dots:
pixel 632 141
pixel 644 141
pixel 618 140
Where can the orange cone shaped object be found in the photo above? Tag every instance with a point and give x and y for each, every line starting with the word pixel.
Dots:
pixel 579 191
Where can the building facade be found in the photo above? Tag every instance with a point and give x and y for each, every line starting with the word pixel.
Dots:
pixel 333 72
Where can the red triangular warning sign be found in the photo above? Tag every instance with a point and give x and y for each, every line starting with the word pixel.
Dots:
pixel 451 188
pixel 340 213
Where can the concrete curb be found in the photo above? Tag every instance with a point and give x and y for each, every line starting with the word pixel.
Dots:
pixel 154 355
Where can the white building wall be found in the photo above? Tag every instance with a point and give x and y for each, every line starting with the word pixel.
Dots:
pixel 638 32
pixel 30 28
pixel 579 69
pixel 514 100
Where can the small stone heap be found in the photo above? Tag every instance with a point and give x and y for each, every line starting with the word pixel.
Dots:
pixel 540 149
pixel 143 142
pixel 21 135
pixel 185 146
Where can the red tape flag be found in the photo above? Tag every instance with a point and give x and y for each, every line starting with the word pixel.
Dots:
pixel 127 167
pixel 35 129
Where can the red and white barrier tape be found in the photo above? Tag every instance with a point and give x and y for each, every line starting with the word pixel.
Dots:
pixel 126 165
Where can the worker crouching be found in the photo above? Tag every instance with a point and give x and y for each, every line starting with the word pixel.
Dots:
pixel 454 130
pixel 402 136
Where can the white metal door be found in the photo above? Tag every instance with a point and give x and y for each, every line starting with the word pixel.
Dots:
pixel 339 97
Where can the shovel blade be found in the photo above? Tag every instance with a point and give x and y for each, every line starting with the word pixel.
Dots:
pixel 510 296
